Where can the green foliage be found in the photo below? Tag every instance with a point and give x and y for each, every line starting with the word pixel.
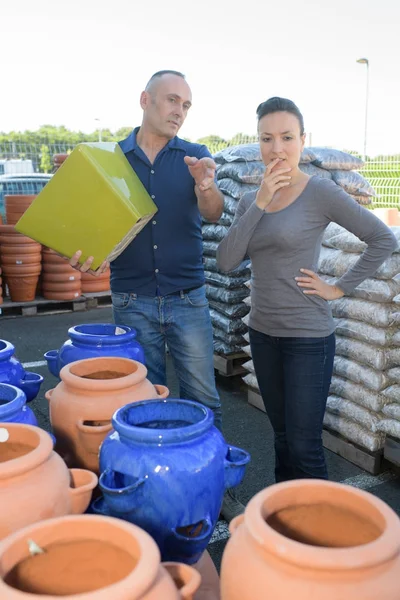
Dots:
pixel 45 161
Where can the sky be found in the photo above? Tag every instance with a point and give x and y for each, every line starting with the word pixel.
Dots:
pixel 73 62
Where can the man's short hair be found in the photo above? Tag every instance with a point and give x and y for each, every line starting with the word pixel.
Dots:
pixel 160 74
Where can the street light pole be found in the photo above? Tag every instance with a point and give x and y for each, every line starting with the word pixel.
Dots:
pixel 364 61
pixel 99 129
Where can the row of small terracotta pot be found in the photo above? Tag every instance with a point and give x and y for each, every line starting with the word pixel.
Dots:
pixel 21 259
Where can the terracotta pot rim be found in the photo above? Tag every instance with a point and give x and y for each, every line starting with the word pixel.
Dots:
pixel 72 373
pixel 33 459
pixel 290 493
pixel 188 574
pixel 79 527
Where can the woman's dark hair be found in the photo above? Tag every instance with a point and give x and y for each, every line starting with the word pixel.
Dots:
pixel 276 104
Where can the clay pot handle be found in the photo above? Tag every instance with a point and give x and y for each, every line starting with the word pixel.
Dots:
pixel 234 524
pixel 162 391
pixel 83 482
pixel 48 395
pixel 186 579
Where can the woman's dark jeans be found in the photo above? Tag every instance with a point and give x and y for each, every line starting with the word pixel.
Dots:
pixel 294 376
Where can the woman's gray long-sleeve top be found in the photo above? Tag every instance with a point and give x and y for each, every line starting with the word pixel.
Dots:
pixel 280 243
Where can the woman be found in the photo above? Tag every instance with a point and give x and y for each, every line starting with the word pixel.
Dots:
pixel 292 340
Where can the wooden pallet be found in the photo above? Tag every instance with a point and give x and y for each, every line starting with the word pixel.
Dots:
pixel 372 462
pixel 97 299
pixel 391 450
pixel 40 306
pixel 229 365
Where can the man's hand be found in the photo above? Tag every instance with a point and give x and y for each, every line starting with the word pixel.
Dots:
pixel 85 267
pixel 317 286
pixel 202 170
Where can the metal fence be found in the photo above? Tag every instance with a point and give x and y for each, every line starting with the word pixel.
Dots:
pixel 383 173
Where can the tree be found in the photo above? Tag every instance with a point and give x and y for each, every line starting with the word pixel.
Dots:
pixel 45 161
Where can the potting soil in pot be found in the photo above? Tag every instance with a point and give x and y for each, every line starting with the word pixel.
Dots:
pixel 104 375
pixel 323 525
pixel 11 450
pixel 69 568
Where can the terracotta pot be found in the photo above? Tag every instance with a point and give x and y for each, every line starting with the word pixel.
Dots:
pixel 61 286
pixel 20 259
pixel 21 249
pixel 8 235
pixel 60 277
pixel 35 483
pixel 349 545
pixel 61 296
pixel 82 404
pixel 51 257
pixel 58 269
pixel 90 558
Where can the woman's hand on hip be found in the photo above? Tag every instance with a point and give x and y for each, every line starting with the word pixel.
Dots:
pixel 271 183
pixel 315 286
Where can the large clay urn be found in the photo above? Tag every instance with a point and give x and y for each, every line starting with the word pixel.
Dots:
pixel 35 483
pixel 91 558
pixel 313 539
pixel 83 403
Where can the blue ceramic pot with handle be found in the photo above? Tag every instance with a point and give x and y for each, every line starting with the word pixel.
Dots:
pixel 13 408
pixel 13 373
pixel 165 468
pixel 95 340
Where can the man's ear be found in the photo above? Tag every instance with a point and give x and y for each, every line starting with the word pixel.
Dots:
pixel 144 100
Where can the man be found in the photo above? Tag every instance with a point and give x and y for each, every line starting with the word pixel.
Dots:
pixel 157 282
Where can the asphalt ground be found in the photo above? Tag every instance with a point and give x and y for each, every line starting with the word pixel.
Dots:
pixel 244 425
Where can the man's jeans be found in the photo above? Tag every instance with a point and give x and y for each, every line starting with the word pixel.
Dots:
pixel 294 376
pixel 182 321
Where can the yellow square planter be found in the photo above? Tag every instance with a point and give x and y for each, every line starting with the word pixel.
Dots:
pixel 95 202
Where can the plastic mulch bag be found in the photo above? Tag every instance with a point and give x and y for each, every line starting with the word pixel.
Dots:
pixel 352 411
pixel 374 313
pixel 210 248
pixel 214 233
pixel 232 339
pixel 230 205
pixel 229 296
pixel 241 153
pixel 226 324
pixel 328 158
pixel 354 432
pixel 358 330
pixel 221 347
pixel 358 393
pixel 243 270
pixel 336 263
pixel 244 172
pixel 232 311
pixel 234 188
pixel 391 427
pixel 372 356
pixel 353 183
pixel 393 375
pixel 224 281
pixel 392 411
pixel 392 394
pixel 358 373
pixel 311 170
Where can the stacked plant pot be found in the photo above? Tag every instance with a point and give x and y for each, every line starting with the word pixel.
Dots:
pixel 1 289
pixel 20 259
pixel 16 206
pixel 59 280
pixel 58 160
pixel 92 283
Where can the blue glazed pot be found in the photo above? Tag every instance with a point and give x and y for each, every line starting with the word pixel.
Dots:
pixel 13 408
pixel 13 373
pixel 165 468
pixel 95 340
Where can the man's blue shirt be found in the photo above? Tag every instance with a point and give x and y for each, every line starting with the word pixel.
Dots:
pixel 167 255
